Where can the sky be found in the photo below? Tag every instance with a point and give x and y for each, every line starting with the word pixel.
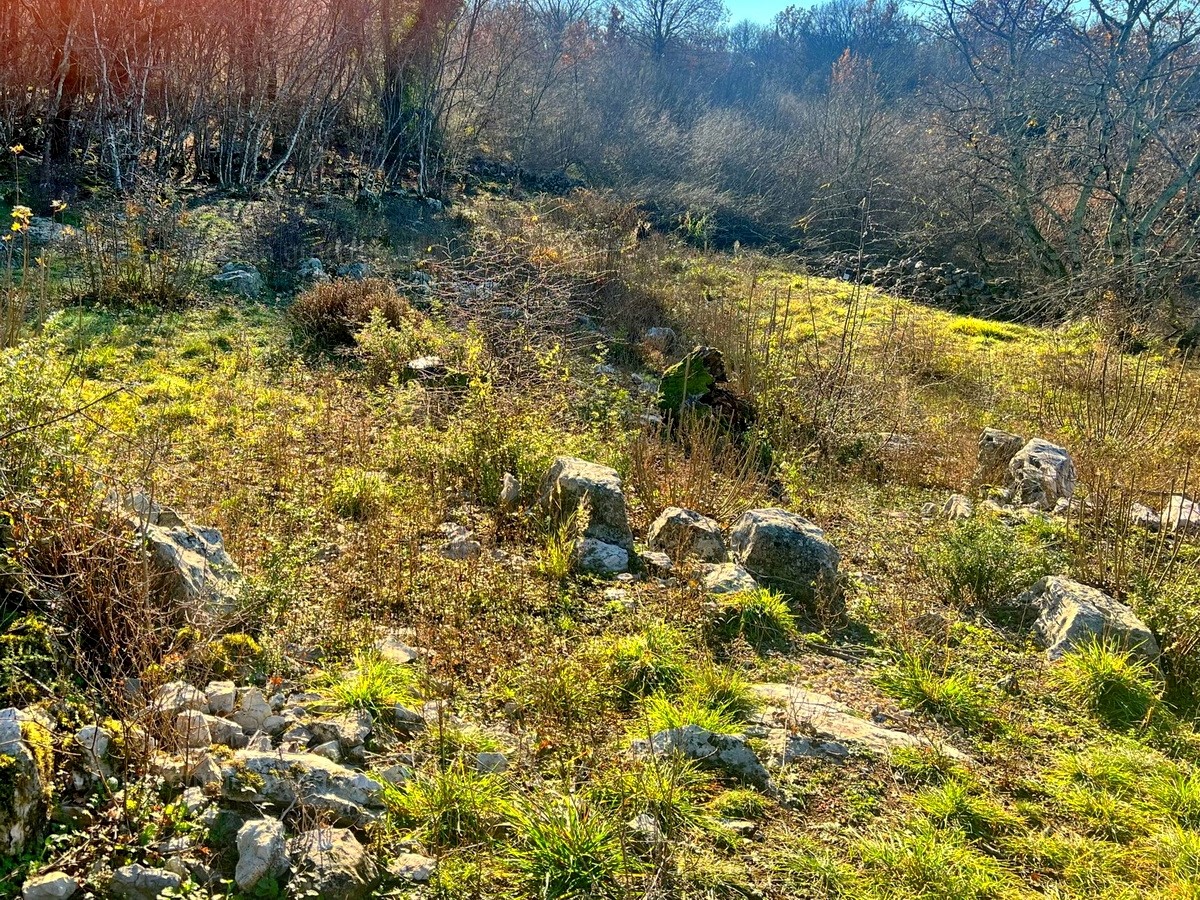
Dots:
pixel 760 11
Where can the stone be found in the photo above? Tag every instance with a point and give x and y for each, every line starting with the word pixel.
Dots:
pixel 1040 474
pixel 996 450
pixel 1141 516
pixel 260 741
pixel 571 483
pixel 1181 515
pixel 225 731
pixel 461 548
pixel 661 339
pixel 396 774
pixel 51 886
pixel 349 730
pixel 510 492
pixel 330 750
pixel 281 778
pixel 724 752
pixel 191 730
pixel 192 561
pixel 356 271
pixel 252 711
pixel 656 562
pixel 413 867
pixel 786 552
pixel 221 696
pixel 262 852
pixel 1071 614
pixel 179 696
pixel 645 829
pixel 958 508
pixel 26 779
pixel 728 578
pixel 683 532
pixel 240 280
pixel 331 864
pixel 94 742
pixel 491 763
pixel 138 882
pixel 804 723
pixel 312 269
pixel 593 557
pixel 392 648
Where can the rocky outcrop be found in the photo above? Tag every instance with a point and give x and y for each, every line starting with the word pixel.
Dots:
pixel 281 779
pixel 682 533
pixel 331 864
pixel 1040 475
pixel 137 882
pixel 262 853
pixel 574 483
pixel 785 551
pixel 724 752
pixel 1071 614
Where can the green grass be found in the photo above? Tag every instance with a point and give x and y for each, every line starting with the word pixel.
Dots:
pixel 924 862
pixel 374 684
pixel 949 696
pixel 450 807
pixel 958 804
pixel 1117 687
pixel 655 659
pixel 761 617
pixel 670 789
pixel 568 851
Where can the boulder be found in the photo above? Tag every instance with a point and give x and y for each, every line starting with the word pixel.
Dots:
pixel 175 697
pixel 413 867
pixel 95 743
pixel 252 711
pixel 356 271
pixel 958 508
pixel 996 450
pixel 51 886
pixel 240 280
pixel 661 339
pixel 191 559
pixel 687 533
pixel 724 752
pixel 221 696
pixel 1142 516
pixel 1071 614
pixel 138 882
pixel 1040 474
pixel 331 864
pixel 804 723
pixel 728 578
pixel 312 269
pixel 1181 515
pixel 262 852
pixel 572 482
pixel 510 492
pixel 191 730
pixel 349 730
pixel 593 557
pixel 280 778
pixel 785 551
pixel 26 780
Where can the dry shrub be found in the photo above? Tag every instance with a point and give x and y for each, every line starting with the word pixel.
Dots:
pixel 331 313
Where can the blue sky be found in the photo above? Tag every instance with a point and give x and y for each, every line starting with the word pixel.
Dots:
pixel 761 11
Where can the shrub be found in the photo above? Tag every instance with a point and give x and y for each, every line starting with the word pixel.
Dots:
pixel 952 697
pixel 568 852
pixel 760 616
pixel 982 562
pixel 1172 610
pixel 331 313
pixel 1117 687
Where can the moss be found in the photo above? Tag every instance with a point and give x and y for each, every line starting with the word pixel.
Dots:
pixel 41 744
pixel 233 655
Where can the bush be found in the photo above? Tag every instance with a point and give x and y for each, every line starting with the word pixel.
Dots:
pixel 331 313
pixel 982 562
pixel 760 616
pixel 1117 687
pixel 1172 611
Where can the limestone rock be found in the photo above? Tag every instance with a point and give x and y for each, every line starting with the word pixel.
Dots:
pixel 349 730
pixel 51 886
pixel 572 482
pixel 785 551
pixel 728 578
pixel 25 780
pixel 413 867
pixel 94 742
pixel 191 731
pixel 661 339
pixel 252 711
pixel 222 696
pixel 724 752
pixel 510 492
pixel 1071 614
pixel 262 852
pixel 1141 516
pixel 281 778
pixel 178 696
pixel 138 882
pixel 333 865
pixel 1041 474
pixel 996 450
pixel 241 280
pixel 958 508
pixel 687 533
pixel 593 557
pixel 1181 515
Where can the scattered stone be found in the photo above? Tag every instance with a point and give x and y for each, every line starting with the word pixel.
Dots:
pixel 728 578
pixel 281 778
pixel 491 763
pixel 571 483
pixel 461 548
pixel 331 864
pixel 312 269
pixel 396 774
pixel 656 562
pixel 95 742
pixel 645 829
pixel 806 724
pixel 330 750
pixel 688 533
pixel 996 450
pixel 239 279
pixel 661 339
pixel 743 828
pixel 349 730
pixel 958 508
pixel 222 696
pixel 262 852
pixel 356 271
pixel 138 882
pixel 1141 516
pixel 717 751
pixel 785 551
pixel 51 886
pixel 252 711
pixel 510 492
pixel 1072 614
pixel 191 730
pixel 179 696
pixel 394 650
pixel 260 741
pixel 1040 474
pixel 1181 515
pixel 413 867
pixel 593 557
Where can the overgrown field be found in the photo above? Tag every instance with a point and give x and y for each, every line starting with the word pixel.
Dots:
pixel 298 424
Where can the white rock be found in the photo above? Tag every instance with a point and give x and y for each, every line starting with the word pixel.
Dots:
pixel 687 533
pixel 262 852
pixel 191 730
pixel 728 578
pixel 1182 515
pixel 222 696
pixel 51 886
pixel 413 867
pixel 1070 614
pixel 595 557
pixel 785 551
pixel 1040 474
